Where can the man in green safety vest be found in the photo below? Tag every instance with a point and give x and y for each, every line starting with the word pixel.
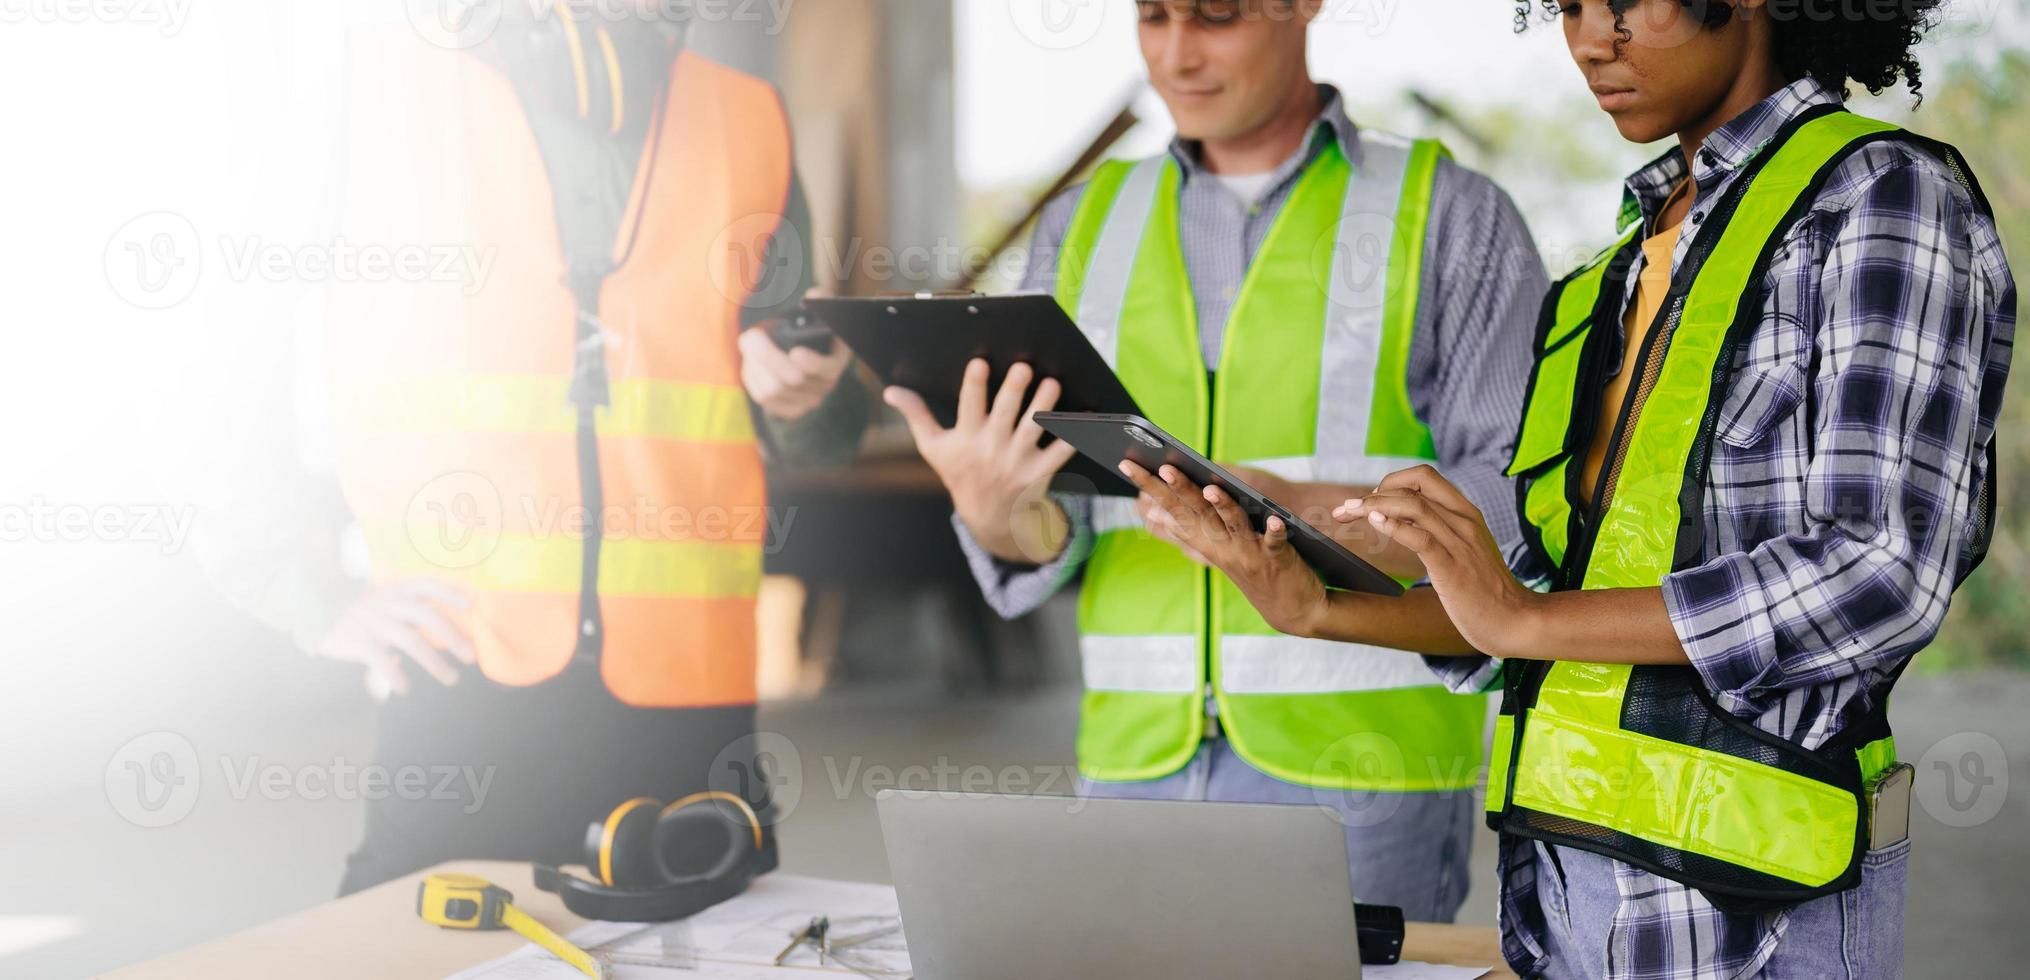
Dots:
pixel 1321 305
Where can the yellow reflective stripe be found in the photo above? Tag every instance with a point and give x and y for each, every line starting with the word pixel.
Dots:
pixel 1497 765
pixel 1692 799
pixel 1546 508
pixel 1636 543
pixel 627 566
pixel 1876 757
pixel 540 404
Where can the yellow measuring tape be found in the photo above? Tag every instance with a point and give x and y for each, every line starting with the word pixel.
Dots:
pixel 460 901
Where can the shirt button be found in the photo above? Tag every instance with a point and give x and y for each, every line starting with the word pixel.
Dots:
pixel 1706 157
pixel 588 628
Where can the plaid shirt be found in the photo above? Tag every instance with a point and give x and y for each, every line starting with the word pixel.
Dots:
pixel 1840 505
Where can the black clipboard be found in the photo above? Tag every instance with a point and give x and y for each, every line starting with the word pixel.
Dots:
pixel 923 343
pixel 1108 439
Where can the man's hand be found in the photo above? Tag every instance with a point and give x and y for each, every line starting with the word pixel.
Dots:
pixel 1214 529
pixel 1421 511
pixel 387 624
pixel 789 385
pixel 990 462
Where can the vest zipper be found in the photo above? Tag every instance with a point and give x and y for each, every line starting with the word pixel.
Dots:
pixel 1652 356
pixel 1209 695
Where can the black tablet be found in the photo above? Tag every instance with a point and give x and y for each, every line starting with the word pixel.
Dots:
pixel 924 342
pixel 1107 439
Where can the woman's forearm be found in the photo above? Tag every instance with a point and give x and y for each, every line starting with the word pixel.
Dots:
pixel 1612 626
pixel 1414 621
pixel 1600 626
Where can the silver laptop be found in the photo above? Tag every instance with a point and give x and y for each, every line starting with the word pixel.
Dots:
pixel 1025 887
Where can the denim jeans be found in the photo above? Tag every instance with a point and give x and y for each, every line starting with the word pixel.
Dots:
pixel 1405 849
pixel 1854 935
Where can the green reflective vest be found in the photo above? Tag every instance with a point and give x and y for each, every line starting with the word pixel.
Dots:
pixel 1638 763
pixel 1310 385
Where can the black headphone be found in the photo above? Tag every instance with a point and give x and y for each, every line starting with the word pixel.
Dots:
pixel 633 853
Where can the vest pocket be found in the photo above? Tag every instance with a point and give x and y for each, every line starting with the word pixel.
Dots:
pixel 1758 401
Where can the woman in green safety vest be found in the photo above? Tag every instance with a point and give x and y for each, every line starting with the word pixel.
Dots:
pixel 1754 464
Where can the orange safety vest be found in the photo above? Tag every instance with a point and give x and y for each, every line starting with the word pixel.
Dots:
pixel 457 443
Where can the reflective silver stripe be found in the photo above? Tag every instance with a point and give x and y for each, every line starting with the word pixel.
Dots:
pixel 1290 665
pixel 1356 299
pixel 1113 259
pixel 1149 664
pixel 1114 514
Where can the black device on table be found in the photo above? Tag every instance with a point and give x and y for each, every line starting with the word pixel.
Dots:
pixel 1108 439
pixel 924 341
pixel 1381 930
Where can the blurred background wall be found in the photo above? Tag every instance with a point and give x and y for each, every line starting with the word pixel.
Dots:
pixel 150 143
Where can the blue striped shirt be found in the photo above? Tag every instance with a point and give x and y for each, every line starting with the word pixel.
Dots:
pixel 1469 355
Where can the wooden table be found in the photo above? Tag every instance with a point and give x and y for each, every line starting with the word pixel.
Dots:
pixel 376 934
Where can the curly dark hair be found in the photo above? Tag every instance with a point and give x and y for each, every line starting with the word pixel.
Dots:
pixel 1868 42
